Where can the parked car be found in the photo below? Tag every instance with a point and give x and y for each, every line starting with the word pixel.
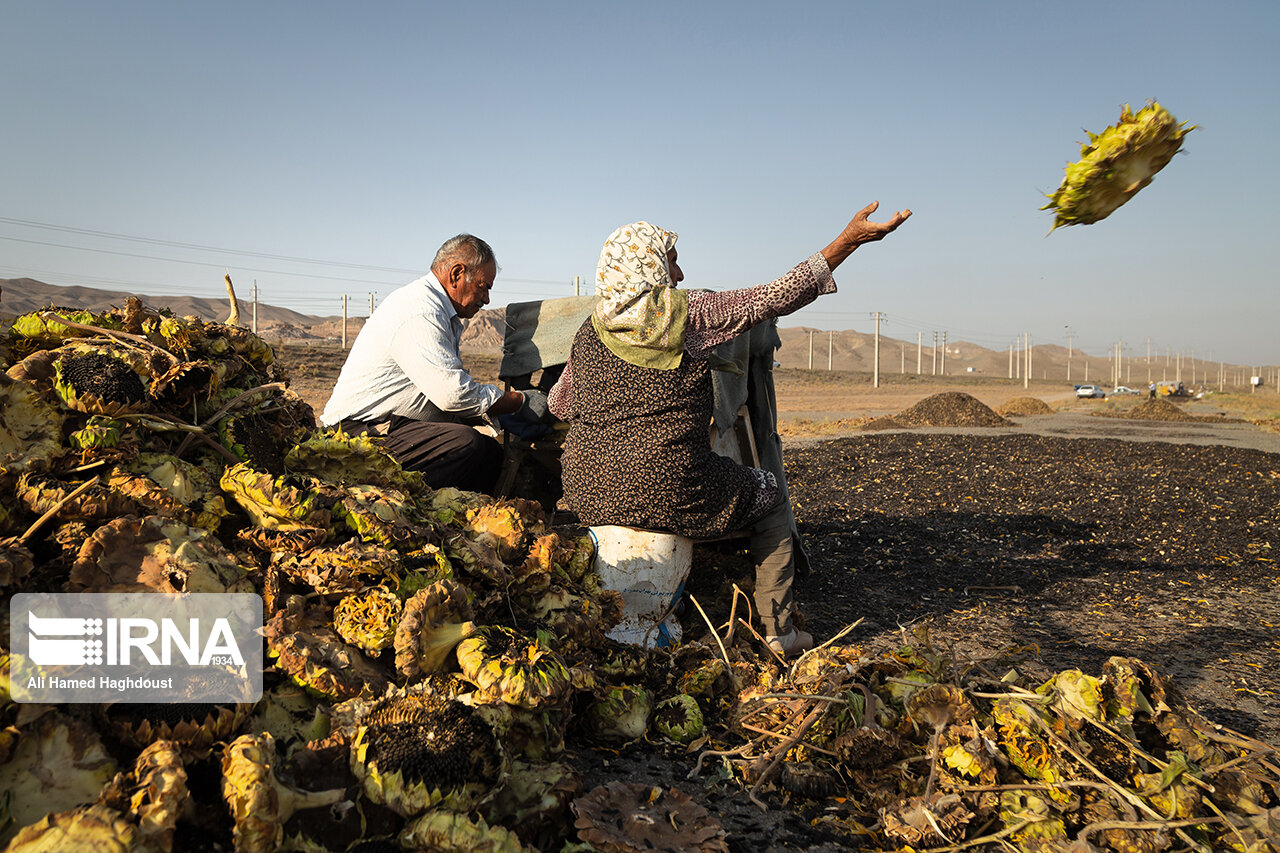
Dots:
pixel 1125 389
pixel 1090 391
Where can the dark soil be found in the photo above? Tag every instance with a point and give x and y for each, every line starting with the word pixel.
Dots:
pixel 1085 548
pixel 1053 553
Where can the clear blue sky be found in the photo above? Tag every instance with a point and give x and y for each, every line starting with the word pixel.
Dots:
pixel 323 148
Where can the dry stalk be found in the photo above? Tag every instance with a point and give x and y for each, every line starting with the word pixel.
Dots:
pixel 809 696
pixel 234 319
pixel 217 447
pixel 52 511
pixel 778 754
pixel 1122 791
pixel 1241 741
pixel 806 744
pixel 235 401
pixel 733 613
pixel 1098 826
pixel 1137 750
pixel 985 839
pixel 839 634
pixel 718 753
pixel 723 652
pixel 769 648
pixel 1131 797
pixel 114 335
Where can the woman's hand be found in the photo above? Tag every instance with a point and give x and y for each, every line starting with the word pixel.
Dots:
pixel 861 230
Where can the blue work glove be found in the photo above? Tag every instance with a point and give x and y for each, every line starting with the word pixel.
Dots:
pixel 528 430
pixel 532 420
pixel 535 408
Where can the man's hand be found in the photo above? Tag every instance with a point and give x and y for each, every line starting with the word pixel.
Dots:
pixel 861 230
pixel 532 420
pixel 535 407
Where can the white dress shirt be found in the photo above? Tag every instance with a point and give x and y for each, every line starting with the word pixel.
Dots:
pixel 405 362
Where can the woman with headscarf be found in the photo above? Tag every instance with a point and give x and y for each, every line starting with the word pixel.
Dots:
pixel 638 397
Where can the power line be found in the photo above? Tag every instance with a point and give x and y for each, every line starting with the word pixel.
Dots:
pixel 197 246
pixel 223 265
pixel 243 253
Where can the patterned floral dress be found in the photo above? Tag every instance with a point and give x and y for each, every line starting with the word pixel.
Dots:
pixel 638 452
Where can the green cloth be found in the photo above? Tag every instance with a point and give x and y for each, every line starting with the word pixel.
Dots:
pixel 646 342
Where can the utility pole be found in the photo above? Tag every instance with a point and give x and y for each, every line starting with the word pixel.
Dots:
pixel 255 306
pixel 943 366
pixel 1148 359
pixel 1070 341
pixel 577 288
pixel 935 353
pixel 344 321
pixel 371 303
pixel 1026 380
pixel 1011 359
pixel 876 361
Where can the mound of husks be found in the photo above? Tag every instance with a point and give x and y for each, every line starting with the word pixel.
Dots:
pixel 948 409
pixel 1162 410
pixel 436 658
pixel 1022 406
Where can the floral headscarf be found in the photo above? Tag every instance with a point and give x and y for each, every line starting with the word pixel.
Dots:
pixel 641 316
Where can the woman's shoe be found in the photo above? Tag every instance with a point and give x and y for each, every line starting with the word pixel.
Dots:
pixel 791 644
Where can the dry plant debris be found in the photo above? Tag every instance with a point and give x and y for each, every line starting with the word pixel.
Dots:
pixel 439 661
pixel 1160 409
pixel 1021 406
pixel 950 409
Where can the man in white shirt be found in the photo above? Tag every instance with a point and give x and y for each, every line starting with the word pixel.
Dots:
pixel 404 379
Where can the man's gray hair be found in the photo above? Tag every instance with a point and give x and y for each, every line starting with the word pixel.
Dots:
pixel 466 249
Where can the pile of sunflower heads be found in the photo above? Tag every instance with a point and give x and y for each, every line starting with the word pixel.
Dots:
pixel 430 651
pixel 914 751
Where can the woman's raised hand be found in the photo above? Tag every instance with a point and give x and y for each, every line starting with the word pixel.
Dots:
pixel 861 230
